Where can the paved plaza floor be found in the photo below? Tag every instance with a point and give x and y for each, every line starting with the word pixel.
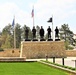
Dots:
pixel 69 61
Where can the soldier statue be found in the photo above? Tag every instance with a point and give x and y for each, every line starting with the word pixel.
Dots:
pixel 49 32
pixel 56 32
pixel 41 33
pixel 26 33
pixel 34 32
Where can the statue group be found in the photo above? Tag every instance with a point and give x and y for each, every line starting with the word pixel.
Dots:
pixel 41 33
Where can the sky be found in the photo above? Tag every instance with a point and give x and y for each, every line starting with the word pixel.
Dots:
pixel 63 12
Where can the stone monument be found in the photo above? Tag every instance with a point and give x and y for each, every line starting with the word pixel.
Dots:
pixel 40 49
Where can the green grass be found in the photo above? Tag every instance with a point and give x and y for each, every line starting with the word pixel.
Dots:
pixel 32 68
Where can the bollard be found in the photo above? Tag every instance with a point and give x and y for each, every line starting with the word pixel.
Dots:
pixel 75 63
pixel 63 61
pixel 53 59
pixel 46 58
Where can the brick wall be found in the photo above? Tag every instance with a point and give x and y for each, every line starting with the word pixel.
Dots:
pixel 41 49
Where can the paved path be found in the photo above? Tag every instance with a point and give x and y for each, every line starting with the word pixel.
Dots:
pixel 68 61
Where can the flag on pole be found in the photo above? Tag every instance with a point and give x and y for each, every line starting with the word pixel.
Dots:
pixel 32 13
pixel 50 20
pixel 14 32
pixel 13 23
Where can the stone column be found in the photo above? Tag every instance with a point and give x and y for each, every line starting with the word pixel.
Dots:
pixel 21 49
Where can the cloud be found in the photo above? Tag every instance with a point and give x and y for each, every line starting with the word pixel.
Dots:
pixel 56 7
pixel 7 12
pixel 62 10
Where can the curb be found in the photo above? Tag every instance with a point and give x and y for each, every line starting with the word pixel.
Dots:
pixel 64 69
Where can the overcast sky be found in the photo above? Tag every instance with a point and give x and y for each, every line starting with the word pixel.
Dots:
pixel 63 11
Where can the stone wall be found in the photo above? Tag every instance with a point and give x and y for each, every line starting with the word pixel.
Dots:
pixel 10 53
pixel 16 53
pixel 42 49
pixel 71 53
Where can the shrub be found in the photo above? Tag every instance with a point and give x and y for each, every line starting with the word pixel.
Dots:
pixel 1 49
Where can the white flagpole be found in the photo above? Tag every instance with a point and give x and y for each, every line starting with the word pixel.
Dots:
pixel 52 29
pixel 33 15
pixel 14 34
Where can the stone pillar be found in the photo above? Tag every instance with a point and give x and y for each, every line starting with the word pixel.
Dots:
pixel 21 49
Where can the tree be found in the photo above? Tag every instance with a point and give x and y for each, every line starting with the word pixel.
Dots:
pixel 5 37
pixel 18 32
pixel 66 34
pixel 30 33
pixel 7 30
pixel 8 42
pixel 23 32
pixel 37 32
pixel 8 36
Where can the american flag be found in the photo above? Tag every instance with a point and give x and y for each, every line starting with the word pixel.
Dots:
pixel 32 13
pixel 13 23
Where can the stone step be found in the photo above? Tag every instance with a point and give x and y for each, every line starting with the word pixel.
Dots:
pixel 13 59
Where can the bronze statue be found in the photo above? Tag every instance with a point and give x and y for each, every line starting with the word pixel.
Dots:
pixel 34 32
pixel 56 32
pixel 49 32
pixel 26 33
pixel 41 33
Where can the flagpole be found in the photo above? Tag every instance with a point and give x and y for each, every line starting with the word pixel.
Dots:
pixel 33 21
pixel 52 29
pixel 14 35
pixel 33 15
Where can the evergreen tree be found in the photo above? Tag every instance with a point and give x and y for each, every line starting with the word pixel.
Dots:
pixel 18 32
pixel 6 35
pixel 37 32
pixel 66 34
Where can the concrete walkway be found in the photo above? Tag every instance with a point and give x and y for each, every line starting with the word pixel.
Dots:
pixel 67 61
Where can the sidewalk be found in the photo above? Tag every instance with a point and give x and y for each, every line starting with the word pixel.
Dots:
pixel 67 61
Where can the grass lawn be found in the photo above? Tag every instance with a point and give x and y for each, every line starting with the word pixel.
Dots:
pixel 31 68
